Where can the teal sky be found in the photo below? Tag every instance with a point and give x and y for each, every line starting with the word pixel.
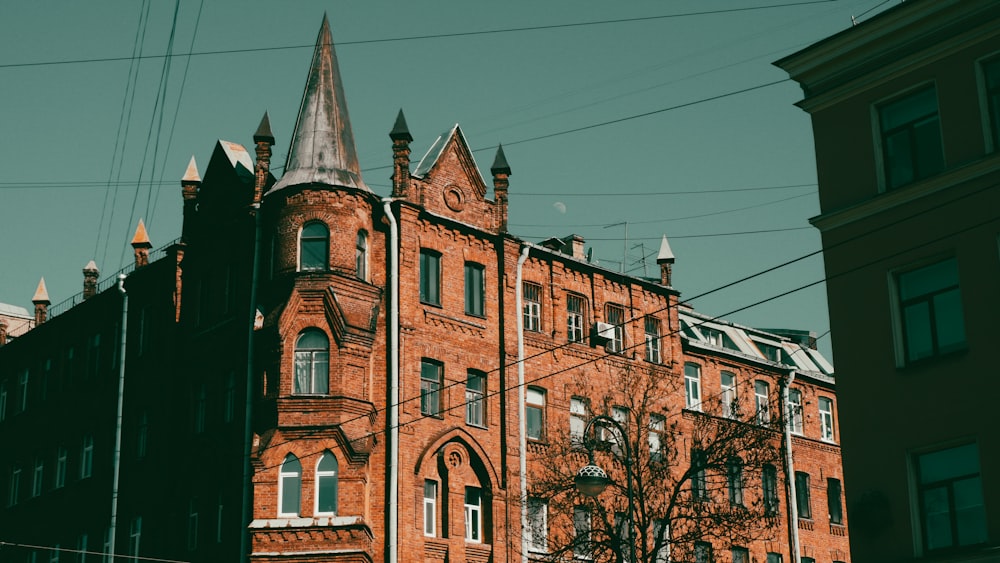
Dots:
pixel 75 182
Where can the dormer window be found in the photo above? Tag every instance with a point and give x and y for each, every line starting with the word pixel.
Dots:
pixel 314 247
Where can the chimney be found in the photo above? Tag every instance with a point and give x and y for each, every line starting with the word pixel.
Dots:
pixel 665 259
pixel 576 249
pixel 41 301
pixel 501 171
pixel 90 273
pixel 141 245
pixel 264 140
pixel 401 139
pixel 3 332
pixel 189 191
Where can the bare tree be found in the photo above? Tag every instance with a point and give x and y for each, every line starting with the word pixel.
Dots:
pixel 696 473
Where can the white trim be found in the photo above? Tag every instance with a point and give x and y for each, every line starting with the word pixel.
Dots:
pixel 335 474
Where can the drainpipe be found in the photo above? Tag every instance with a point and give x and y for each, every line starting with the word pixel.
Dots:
pixel 393 357
pixel 522 428
pixel 118 420
pixel 248 405
pixel 793 507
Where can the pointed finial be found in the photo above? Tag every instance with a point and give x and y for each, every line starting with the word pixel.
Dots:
pixel 500 165
pixel 90 267
pixel 141 237
pixel 41 294
pixel 400 132
pixel 263 133
pixel 665 254
pixel 191 174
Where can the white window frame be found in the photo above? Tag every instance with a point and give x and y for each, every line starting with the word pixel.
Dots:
pixel 537 530
pixel 531 295
pixel 652 329
pixel 795 425
pixel 576 317
pixel 38 477
pixel 535 399
pixel 825 405
pixel 361 256
pixel 582 527
pixel 762 393
pixel 430 507
pixel 577 419
pixel 657 427
pixel 192 527
pixel 615 316
pixel 727 395
pixel 62 457
pixel 288 477
pixel 475 399
pixel 321 476
pixel 473 515
pixel 431 388
pixel 692 387
pixel 311 361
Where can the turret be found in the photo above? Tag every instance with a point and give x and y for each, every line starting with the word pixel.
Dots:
pixel 90 274
pixel 141 245
pixel 264 140
pixel 500 171
pixel 665 259
pixel 42 302
pixel 401 139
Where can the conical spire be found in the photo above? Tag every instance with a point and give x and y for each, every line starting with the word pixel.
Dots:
pixel 41 294
pixel 191 174
pixel 500 165
pixel 665 254
pixel 141 237
pixel 400 131
pixel 264 130
pixel 322 149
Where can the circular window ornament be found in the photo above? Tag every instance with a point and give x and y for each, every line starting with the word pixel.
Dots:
pixel 454 198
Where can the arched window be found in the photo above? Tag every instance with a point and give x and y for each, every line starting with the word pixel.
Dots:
pixel 326 484
pixel 312 360
pixel 290 487
pixel 361 256
pixel 314 246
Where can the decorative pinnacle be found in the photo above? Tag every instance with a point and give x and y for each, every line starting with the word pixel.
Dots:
pixel 263 134
pixel 141 238
pixel 191 174
pixel 41 294
pixel 500 165
pixel 400 132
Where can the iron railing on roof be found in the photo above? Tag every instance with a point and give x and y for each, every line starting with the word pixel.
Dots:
pixel 109 281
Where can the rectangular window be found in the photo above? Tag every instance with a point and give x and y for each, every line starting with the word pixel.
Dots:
pixel 773 557
pixel 652 340
pixel 430 277
pixel 805 559
pixel 535 413
pixel 531 295
pixel 702 552
pixel 802 495
pixel 615 315
pixel 826 418
pixel 61 458
pixel 769 485
pixel 699 484
pixel 475 290
pixel 87 457
pixel 576 318
pixel 135 534
pixel 950 496
pixel 727 397
pixel 431 374
pixel 577 420
pixel 795 411
pixel 581 528
pixel 991 82
pixel 430 507
pixel 192 528
pixel 473 514
pixel 22 391
pixel 692 387
pixel 930 312
pixel 657 426
pixel 911 138
pixel 475 398
pixel 37 478
pixel 15 486
pixel 833 500
pixel 761 391
pixel 741 555
pixel 537 525
pixel 734 481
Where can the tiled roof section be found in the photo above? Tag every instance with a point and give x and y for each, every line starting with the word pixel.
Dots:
pixel 322 148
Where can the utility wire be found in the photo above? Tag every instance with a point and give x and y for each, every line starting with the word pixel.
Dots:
pixel 418 37
pixel 85 552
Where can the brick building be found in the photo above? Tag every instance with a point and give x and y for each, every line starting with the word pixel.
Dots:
pixel 905 110
pixel 312 372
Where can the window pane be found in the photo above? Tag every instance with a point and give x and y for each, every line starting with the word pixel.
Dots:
pixel 327 490
pixel 946 464
pixel 430 277
pixel 928 279
pixel 970 515
pixel 313 244
pixel 949 323
pixel 937 521
pixel 917 326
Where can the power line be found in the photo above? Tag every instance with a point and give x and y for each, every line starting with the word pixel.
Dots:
pixel 86 552
pixel 647 194
pixel 417 37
